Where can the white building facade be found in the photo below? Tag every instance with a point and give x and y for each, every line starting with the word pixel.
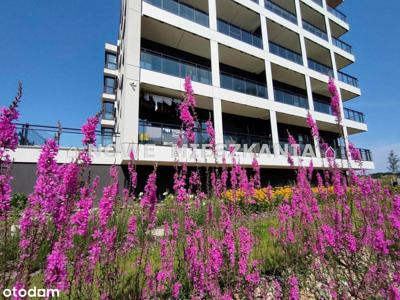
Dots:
pixel 258 68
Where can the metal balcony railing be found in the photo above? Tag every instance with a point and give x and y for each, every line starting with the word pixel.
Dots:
pixel 285 53
pixel 342 45
pixel 343 77
pixel 322 107
pixel 354 115
pixel 280 11
pixel 243 85
pixel 315 30
pixel 366 154
pixel 240 34
pixel 291 98
pixel 183 10
pixel 159 62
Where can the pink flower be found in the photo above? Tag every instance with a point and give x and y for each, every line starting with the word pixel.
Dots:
pixel 56 272
pixel 245 247
pixel 294 288
pixel 89 131
pixel 211 134
pixel 354 153
pixel 335 99
pixel 176 290
pixel 313 126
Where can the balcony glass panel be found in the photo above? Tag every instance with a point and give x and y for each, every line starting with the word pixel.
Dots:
pixel 285 53
pixel 366 154
pixel 343 77
pixel 291 98
pixel 159 62
pixel 284 143
pixel 234 138
pixel 322 107
pixel 239 34
pixel 354 115
pixel 109 85
pixel 342 45
pixel 163 134
pixel 108 110
pixel 243 85
pixel 315 30
pixel 280 11
pixel 316 66
pixel 338 14
pixel 111 61
pixel 182 10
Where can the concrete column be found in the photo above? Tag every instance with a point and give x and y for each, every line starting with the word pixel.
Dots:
pixel 129 103
pixel 268 68
pixel 309 93
pixel 218 126
pixel 212 12
pixel 215 63
pixel 274 130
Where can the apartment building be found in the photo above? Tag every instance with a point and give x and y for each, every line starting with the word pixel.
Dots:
pixel 258 67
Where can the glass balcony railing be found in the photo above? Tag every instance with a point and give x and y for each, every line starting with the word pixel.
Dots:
pixel 169 65
pixel 343 77
pixel 285 146
pixel 319 2
pixel 280 11
pixel 183 10
pixel 315 30
pixel 242 139
pixel 342 45
pixel 354 115
pixel 291 98
pixel 243 85
pixel 338 14
pixel 285 53
pixel 366 154
pixel 162 134
pixel 322 107
pixel 321 68
pixel 240 34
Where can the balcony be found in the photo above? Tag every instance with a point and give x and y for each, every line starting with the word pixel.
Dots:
pixel 315 30
pixel 322 107
pixel 291 98
pixel 163 134
pixel 158 62
pixel 366 154
pixel 343 77
pixel 243 85
pixel 321 68
pixel 36 135
pixel 240 34
pixel 354 115
pixel 285 53
pixel 338 14
pixel 280 11
pixel 183 10
pixel 234 138
pixel 342 45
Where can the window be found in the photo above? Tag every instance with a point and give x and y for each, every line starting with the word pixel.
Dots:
pixel 109 85
pixel 108 110
pixel 107 136
pixel 111 61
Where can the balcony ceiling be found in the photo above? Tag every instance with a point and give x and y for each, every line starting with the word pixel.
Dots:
pixel 318 53
pixel 341 61
pixel 288 76
pixel 240 60
pixel 238 15
pixel 284 37
pixel 174 37
pixel 201 5
pixel 320 87
pixel 337 30
pixel 313 17
pixel 289 5
pixel 244 110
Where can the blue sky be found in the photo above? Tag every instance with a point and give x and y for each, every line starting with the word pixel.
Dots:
pixel 56 49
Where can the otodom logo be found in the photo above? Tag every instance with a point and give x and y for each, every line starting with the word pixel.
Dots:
pixel 31 293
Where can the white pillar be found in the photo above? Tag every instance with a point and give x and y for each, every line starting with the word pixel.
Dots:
pixel 274 130
pixel 129 102
pixel 212 13
pixel 218 127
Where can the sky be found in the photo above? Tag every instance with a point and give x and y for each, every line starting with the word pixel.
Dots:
pixel 56 48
